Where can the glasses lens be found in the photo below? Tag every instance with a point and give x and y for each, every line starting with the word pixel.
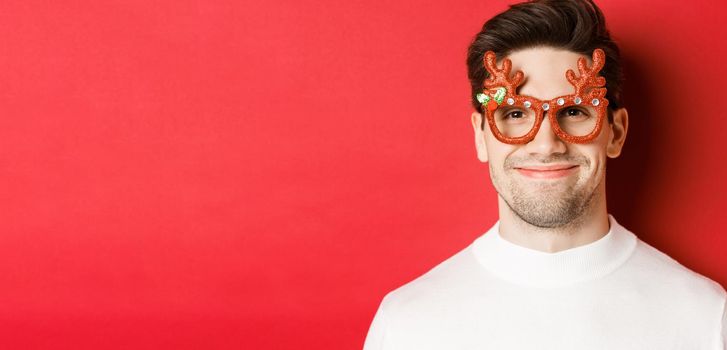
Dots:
pixel 514 120
pixel 577 120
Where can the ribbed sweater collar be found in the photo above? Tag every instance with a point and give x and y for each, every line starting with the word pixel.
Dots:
pixel 534 268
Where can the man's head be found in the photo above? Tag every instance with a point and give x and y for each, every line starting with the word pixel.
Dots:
pixel 544 39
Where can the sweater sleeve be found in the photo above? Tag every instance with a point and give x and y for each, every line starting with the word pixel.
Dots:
pixel 377 330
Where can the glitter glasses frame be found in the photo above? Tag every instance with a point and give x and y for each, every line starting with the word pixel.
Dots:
pixel 499 79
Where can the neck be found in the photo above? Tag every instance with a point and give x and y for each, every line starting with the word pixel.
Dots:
pixel 589 227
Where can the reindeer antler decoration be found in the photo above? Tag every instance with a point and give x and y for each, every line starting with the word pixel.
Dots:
pixel 500 77
pixel 589 76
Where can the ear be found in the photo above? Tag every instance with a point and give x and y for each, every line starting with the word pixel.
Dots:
pixel 619 127
pixel 480 145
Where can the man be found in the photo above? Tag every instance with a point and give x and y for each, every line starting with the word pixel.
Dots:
pixel 556 271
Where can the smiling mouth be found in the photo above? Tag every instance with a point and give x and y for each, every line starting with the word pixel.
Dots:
pixel 547 172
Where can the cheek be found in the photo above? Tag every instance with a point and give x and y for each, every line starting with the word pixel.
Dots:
pixel 596 156
pixel 596 149
pixel 497 153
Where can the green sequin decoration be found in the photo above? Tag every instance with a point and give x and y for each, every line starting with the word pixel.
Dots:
pixel 500 95
pixel 482 98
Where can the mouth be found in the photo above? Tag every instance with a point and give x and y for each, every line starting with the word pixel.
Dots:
pixel 555 171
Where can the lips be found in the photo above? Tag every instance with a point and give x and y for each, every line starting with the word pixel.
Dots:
pixel 553 171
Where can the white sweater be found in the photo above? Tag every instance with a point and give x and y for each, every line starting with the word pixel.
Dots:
pixel 616 293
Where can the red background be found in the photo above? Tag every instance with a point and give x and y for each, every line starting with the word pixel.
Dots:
pixel 257 175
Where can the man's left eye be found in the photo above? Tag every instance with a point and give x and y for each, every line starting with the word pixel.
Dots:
pixel 573 112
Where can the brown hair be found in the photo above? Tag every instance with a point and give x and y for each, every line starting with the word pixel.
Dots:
pixel 574 25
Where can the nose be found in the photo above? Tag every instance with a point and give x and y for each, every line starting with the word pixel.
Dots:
pixel 546 142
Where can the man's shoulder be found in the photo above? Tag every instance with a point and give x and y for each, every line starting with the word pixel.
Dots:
pixel 662 270
pixel 451 276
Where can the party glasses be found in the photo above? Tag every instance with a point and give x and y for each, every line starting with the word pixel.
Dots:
pixel 516 119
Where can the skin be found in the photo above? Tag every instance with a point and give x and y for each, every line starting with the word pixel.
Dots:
pixel 556 213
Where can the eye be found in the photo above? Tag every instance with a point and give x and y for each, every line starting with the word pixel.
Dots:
pixel 573 112
pixel 514 115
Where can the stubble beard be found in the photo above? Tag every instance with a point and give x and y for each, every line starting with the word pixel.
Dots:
pixel 545 205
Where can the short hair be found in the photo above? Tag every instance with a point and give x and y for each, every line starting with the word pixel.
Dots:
pixel 573 25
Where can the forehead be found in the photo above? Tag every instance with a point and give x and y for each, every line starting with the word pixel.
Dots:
pixel 544 69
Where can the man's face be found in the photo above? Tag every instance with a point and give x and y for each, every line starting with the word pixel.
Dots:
pixel 549 182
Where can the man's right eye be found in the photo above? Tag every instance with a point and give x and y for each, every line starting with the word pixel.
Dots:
pixel 514 115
